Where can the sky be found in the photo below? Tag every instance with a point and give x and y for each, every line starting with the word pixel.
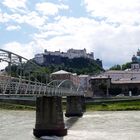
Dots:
pixel 109 28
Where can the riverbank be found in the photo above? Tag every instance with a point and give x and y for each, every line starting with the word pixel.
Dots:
pixel 107 106
pixel 10 106
pixel 114 106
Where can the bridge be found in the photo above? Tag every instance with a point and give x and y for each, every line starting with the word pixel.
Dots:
pixel 49 112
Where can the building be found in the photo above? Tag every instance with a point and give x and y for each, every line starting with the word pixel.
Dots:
pixel 136 61
pixel 39 58
pixel 117 75
pixel 64 75
pixel 81 81
pixel 85 85
pixel 71 53
pixel 116 82
pixel 124 87
pixel 84 81
pixel 100 86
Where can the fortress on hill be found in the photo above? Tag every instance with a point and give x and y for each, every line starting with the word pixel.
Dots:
pixel 71 53
pixel 57 57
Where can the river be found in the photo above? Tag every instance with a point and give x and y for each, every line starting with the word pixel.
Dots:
pixel 109 125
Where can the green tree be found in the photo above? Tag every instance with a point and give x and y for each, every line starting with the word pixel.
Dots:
pixel 116 67
pixel 126 66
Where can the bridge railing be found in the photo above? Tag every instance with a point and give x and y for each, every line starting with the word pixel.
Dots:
pixel 18 86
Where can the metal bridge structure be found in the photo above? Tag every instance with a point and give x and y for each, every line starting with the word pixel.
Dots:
pixel 10 85
pixel 22 87
pixel 49 112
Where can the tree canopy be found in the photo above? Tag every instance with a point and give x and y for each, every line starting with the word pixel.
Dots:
pixel 121 67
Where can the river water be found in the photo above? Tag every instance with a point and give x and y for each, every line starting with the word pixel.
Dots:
pixel 110 125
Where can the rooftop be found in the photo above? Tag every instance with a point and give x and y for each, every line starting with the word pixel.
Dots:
pixel 60 72
pixel 100 77
pixel 125 82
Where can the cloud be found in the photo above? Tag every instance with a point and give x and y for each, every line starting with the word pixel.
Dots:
pixel 112 45
pixel 66 33
pixel 122 11
pixel 13 27
pixel 32 18
pixel 15 4
pixel 48 8
pixel 111 28
pixel 25 50
pixel 68 26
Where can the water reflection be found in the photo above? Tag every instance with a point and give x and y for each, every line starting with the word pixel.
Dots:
pixel 71 121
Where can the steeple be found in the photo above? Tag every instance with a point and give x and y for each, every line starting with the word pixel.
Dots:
pixel 138 52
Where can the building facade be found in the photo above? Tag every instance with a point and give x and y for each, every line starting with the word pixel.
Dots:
pixel 81 81
pixel 100 86
pixel 113 83
pixel 136 61
pixel 64 75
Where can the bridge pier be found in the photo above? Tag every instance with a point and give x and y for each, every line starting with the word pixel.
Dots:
pixel 49 117
pixel 74 106
pixel 83 103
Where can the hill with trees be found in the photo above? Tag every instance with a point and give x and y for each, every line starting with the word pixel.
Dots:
pixel 76 65
pixel 41 73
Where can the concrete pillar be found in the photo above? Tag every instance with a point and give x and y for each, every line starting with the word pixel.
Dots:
pixel 74 106
pixel 83 103
pixel 49 117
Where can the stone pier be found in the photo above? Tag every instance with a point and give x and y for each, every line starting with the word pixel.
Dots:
pixel 83 101
pixel 74 106
pixel 49 117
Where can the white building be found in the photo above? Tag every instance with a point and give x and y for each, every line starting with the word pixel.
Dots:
pixel 71 53
pixel 39 58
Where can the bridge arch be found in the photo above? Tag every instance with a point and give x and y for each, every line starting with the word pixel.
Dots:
pixel 13 58
pixel 62 84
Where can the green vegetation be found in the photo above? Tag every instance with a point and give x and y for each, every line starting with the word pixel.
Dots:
pixel 30 71
pixel 126 66
pixel 15 106
pixel 109 106
pixel 41 73
pixel 121 67
pixel 116 106
pixel 116 67
pixel 77 65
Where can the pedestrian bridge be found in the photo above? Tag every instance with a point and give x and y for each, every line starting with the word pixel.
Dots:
pixel 18 86
pixel 49 112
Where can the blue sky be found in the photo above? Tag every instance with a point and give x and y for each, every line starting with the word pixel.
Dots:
pixel 109 28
